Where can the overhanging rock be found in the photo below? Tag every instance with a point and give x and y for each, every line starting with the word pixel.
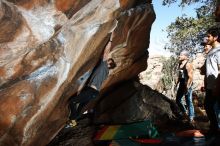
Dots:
pixel 46 47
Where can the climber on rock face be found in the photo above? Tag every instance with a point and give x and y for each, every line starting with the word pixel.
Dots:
pixel 93 86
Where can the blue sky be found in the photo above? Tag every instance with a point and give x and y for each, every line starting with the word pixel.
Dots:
pixel 164 16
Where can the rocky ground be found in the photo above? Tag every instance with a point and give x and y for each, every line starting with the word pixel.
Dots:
pixel 82 134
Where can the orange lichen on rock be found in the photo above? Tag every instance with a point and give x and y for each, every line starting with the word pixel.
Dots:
pixel 124 4
pixel 2 71
pixel 64 5
pixel 20 97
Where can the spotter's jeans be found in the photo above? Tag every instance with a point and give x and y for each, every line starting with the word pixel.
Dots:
pixel 188 97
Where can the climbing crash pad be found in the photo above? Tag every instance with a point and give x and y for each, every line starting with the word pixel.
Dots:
pixel 143 129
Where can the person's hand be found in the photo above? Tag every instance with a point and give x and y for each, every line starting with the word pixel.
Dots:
pixel 185 90
pixel 202 89
pixel 110 63
pixel 175 86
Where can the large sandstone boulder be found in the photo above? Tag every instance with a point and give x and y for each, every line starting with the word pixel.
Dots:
pixel 47 49
pixel 131 102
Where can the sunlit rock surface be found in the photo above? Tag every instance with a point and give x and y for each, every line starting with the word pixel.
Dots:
pixel 152 76
pixel 154 72
pixel 198 79
pixel 47 49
